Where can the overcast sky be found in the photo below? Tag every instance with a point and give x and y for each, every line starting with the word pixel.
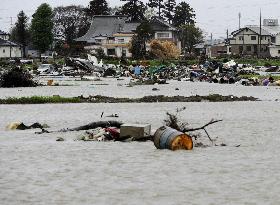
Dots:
pixel 213 16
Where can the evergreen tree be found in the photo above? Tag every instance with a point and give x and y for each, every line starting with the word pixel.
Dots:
pixel 169 9
pixel 41 28
pixel 191 35
pixel 184 14
pixel 144 33
pixel 158 5
pixel 134 9
pixel 98 7
pixel 20 32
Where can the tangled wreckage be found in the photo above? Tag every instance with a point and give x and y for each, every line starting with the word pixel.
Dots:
pixel 173 135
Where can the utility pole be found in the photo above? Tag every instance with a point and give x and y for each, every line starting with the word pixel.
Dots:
pixel 239 17
pixel 10 37
pixel 260 36
pixel 227 35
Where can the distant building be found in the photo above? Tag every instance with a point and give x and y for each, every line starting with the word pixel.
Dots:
pixel 256 41
pixel 4 35
pixel 218 50
pixel 113 34
pixel 9 49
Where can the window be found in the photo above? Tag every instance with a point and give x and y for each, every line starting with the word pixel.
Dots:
pixel 248 48
pixel 253 38
pixel 4 51
pixel 121 40
pixel 273 39
pixel 278 51
pixel 163 35
pixel 241 38
pixel 111 52
pixel 98 40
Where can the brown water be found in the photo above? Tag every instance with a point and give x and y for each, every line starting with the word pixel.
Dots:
pixel 35 169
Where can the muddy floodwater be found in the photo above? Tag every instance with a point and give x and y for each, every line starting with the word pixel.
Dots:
pixel 35 169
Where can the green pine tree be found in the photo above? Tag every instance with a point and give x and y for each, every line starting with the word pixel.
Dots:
pixel 98 7
pixel 157 4
pixel 169 9
pixel 134 9
pixel 41 28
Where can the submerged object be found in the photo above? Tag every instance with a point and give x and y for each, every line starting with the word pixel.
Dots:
pixel 168 138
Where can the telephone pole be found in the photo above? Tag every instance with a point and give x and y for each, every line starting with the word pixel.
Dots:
pixel 239 17
pixel 10 37
pixel 260 36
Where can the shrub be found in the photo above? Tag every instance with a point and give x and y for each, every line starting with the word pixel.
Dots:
pixel 17 77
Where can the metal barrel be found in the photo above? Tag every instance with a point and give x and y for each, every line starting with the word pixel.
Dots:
pixel 168 138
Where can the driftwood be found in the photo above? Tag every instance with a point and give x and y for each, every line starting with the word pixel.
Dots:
pixel 173 122
pixel 203 128
pixel 93 125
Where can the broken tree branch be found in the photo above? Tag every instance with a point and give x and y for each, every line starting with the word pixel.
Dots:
pixel 203 127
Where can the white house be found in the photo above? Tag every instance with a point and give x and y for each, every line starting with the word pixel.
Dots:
pixel 9 49
pixel 254 40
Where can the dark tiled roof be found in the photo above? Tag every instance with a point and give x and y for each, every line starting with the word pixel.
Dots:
pixel 130 27
pixel 159 24
pixel 104 26
pixel 107 26
pixel 7 43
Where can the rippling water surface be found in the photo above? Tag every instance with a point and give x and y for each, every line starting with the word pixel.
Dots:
pixel 35 169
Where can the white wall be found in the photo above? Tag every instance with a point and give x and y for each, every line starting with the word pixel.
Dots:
pixel 5 52
pixel 274 51
pixel 277 39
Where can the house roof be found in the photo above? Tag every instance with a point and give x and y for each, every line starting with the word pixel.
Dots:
pixel 106 26
pixel 159 24
pixel 130 27
pixel 265 31
pixel 3 33
pixel 7 43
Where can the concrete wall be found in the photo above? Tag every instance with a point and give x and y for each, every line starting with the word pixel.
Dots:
pixel 5 52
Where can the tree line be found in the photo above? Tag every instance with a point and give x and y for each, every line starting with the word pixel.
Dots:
pixel 66 23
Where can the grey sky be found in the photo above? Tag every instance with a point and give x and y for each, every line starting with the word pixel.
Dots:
pixel 213 16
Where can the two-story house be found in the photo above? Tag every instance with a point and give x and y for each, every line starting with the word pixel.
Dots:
pixel 255 40
pixel 114 33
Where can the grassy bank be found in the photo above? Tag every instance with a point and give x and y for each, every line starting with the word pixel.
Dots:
pixel 39 100
pixel 105 99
